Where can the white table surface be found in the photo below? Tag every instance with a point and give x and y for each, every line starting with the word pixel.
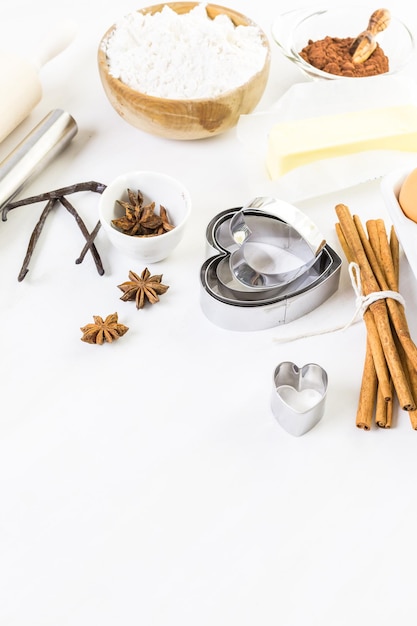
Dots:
pixel 147 482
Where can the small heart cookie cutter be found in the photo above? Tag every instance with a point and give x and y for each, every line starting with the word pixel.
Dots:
pixel 299 396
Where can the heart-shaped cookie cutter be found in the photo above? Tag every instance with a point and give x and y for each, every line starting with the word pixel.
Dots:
pixel 273 253
pixel 299 396
pixel 234 305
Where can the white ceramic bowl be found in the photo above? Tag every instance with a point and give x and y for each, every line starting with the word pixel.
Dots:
pixel 293 30
pixel 155 187
pixel 405 228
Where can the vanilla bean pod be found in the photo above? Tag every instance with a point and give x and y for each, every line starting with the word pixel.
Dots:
pixel 51 197
pixel 56 193
pixel 91 245
pixel 34 238
pixel 89 241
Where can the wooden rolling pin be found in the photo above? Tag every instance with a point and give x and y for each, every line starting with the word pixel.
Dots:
pixel 20 86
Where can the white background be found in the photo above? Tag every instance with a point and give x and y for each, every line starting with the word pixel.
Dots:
pixel 147 482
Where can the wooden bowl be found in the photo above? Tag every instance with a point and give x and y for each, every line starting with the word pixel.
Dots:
pixel 185 119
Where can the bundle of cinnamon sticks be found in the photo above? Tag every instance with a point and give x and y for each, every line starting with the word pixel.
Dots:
pixel 390 366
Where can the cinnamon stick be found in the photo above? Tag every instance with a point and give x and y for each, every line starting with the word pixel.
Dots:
pixel 383 412
pixel 377 235
pixel 381 256
pixel 369 384
pixel 378 308
pixel 412 381
pixel 394 246
pixel 368 392
pixel 378 353
pixel 389 259
pixel 389 267
pixel 343 243
pixel 379 362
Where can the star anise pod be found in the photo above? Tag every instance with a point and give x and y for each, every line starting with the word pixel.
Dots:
pixel 142 288
pixel 141 220
pixel 108 329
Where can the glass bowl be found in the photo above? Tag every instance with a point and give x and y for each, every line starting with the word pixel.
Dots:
pixel 293 30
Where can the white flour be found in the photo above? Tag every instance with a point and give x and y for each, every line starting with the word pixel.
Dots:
pixel 183 56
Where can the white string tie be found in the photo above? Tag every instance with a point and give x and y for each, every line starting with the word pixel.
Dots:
pixel 362 303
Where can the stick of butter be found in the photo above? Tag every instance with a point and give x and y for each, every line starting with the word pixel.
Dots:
pixel 299 142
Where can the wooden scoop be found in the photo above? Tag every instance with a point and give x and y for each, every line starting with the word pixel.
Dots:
pixel 364 44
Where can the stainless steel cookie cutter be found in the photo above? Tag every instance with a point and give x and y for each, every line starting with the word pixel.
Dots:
pixel 236 304
pixel 298 396
pixel 273 253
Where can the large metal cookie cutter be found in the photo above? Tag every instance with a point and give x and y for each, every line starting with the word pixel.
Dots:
pixel 298 396
pixel 272 253
pixel 267 265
